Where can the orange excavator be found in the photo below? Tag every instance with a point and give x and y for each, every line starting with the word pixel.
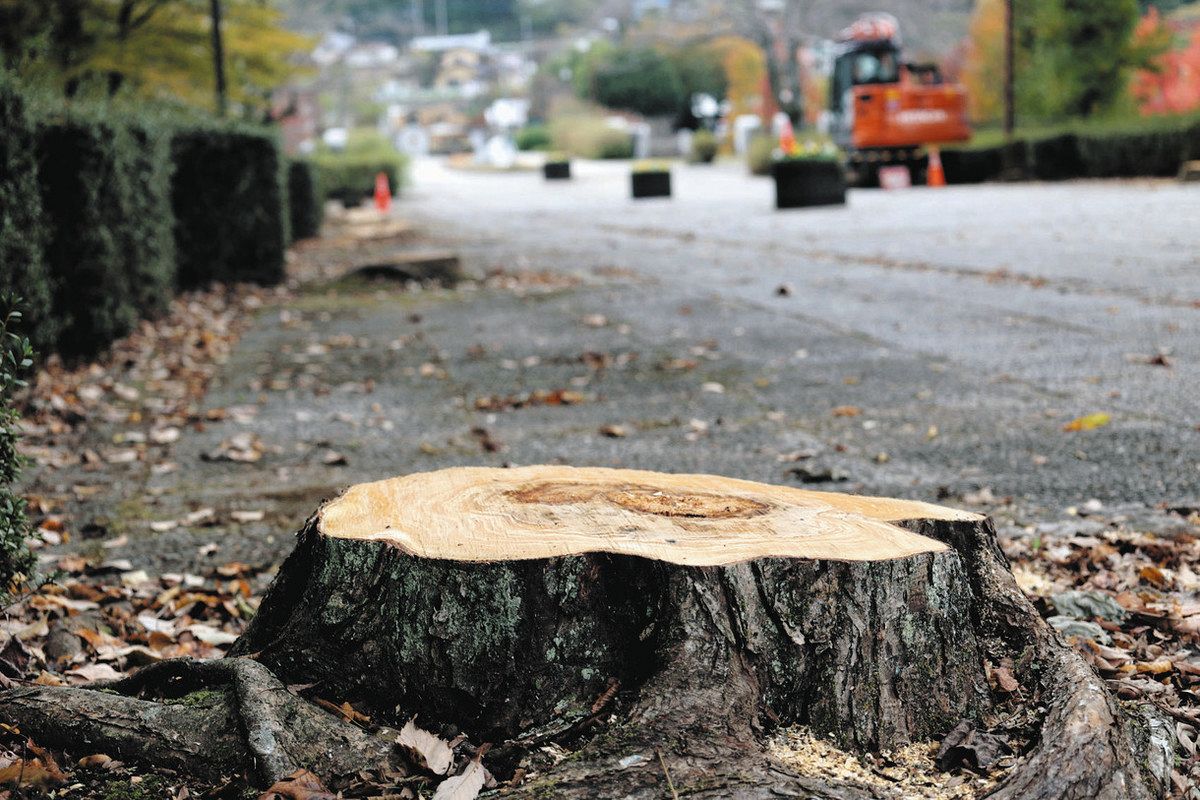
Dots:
pixel 884 111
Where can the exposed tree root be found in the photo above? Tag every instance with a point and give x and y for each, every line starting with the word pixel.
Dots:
pixel 209 719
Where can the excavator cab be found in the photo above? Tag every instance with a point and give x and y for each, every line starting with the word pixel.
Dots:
pixel 883 110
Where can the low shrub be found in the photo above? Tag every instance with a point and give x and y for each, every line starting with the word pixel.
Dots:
pixel 85 194
pixel 704 147
pixel 588 135
pixel 22 224
pixel 16 358
pixel 618 146
pixel 760 154
pixel 230 207
pixel 533 137
pixel 305 202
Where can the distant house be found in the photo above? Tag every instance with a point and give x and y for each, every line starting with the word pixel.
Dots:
pixel 460 67
pixel 479 42
pixel 371 55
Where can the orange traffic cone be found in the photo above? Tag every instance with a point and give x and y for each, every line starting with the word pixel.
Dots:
pixel 383 194
pixel 935 175
pixel 787 138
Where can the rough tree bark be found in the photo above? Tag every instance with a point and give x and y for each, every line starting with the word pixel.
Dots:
pixel 660 626
pixel 504 603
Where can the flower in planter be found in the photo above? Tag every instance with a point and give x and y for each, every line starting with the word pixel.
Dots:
pixel 651 165
pixel 811 150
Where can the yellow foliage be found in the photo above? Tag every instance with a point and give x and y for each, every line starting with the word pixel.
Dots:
pixel 746 69
pixel 169 54
pixel 984 73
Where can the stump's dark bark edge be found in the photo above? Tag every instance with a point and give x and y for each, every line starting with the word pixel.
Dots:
pixel 875 655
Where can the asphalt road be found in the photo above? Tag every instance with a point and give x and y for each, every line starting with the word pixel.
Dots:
pixel 993 314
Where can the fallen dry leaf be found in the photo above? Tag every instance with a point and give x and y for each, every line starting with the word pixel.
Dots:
pixel 300 785
pixel 1089 422
pixel 95 672
pixel 430 751
pixel 31 773
pixel 465 786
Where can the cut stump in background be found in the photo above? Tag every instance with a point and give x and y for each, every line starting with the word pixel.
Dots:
pixel 662 623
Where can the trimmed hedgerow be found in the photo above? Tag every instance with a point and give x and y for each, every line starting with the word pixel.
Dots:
pixel 305 203
pixel 973 165
pixel 22 225
pixel 16 358
pixel 1056 158
pixel 85 193
pixel 97 230
pixel 1154 153
pixel 1149 148
pixel 149 240
pixel 230 207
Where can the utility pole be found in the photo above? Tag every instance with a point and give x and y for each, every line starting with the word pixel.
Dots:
pixel 418 17
pixel 218 55
pixel 1010 101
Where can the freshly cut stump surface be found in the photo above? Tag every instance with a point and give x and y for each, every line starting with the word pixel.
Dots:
pixel 678 618
pixel 479 514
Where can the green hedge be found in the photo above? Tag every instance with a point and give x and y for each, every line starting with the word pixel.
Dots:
pixel 85 198
pixel 16 561
pixel 230 206
pixel 22 227
pixel 1134 154
pixel 350 177
pixel 149 241
pixel 1153 148
pixel 105 211
pixel 305 202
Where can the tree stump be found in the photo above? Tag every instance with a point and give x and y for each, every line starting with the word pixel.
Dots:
pixel 662 623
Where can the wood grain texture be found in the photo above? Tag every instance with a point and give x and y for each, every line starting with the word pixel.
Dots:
pixel 486 514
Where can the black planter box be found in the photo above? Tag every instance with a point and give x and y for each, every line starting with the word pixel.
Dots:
pixel 557 170
pixel 802 183
pixel 652 184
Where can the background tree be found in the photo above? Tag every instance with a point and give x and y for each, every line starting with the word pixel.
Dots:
pixel 152 48
pixel 700 70
pixel 1074 57
pixel 639 79
pixel 985 56
pixel 1170 84
pixel 777 29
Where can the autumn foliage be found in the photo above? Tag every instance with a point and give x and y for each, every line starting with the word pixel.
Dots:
pixel 1171 84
